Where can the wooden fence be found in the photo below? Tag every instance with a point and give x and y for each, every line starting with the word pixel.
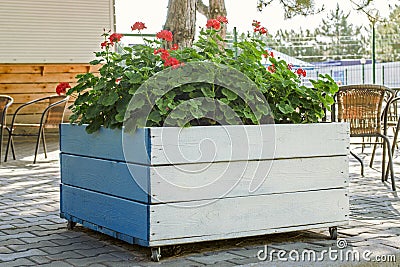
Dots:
pixel 26 82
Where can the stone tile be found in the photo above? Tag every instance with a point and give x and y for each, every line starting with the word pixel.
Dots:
pixel 18 263
pixel 63 255
pixel 23 254
pixel 57 264
pixel 40 244
pixel 92 260
pixel 213 258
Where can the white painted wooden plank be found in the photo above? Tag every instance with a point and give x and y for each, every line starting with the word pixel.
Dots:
pixel 243 214
pixel 172 145
pixel 202 238
pixel 231 179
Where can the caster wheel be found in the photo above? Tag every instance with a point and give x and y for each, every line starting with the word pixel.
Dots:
pixel 71 225
pixel 155 254
pixel 333 233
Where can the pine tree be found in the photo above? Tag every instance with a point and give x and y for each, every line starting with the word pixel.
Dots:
pixel 338 38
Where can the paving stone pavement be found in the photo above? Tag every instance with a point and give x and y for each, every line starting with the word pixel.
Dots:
pixel 32 234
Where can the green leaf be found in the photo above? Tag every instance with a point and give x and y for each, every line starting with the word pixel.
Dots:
pixel 285 108
pixel 109 99
pixel 229 94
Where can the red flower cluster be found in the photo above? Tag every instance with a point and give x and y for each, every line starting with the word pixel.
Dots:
pixel 173 62
pixel 115 37
pixel 271 68
pixel 213 23
pixel 175 47
pixel 61 88
pixel 258 28
pixel 164 53
pixel 268 54
pixel 104 44
pixel 301 72
pixel 138 26
pixel 222 19
pixel 165 35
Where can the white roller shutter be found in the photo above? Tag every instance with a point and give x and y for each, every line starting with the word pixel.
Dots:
pixel 53 31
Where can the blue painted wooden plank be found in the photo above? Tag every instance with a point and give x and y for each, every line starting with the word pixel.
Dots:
pixel 95 227
pixel 125 180
pixel 120 215
pixel 106 143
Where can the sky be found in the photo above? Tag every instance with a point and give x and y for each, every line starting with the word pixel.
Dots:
pixel 240 14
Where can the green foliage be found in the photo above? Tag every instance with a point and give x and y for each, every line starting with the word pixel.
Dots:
pixel 103 99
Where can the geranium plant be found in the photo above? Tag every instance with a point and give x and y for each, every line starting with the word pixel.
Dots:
pixel 103 99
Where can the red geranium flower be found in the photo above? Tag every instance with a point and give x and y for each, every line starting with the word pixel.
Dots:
pixel 258 28
pixel 271 68
pixel 164 53
pixel 301 72
pixel 138 26
pixel 175 47
pixel 61 88
pixel 115 37
pixel 256 24
pixel 104 44
pixel 213 23
pixel 222 19
pixel 268 54
pixel 171 61
pixel 165 35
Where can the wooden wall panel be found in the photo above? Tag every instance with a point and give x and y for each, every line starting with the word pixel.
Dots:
pixel 26 82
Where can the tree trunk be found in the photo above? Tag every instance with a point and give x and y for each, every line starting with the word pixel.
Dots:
pixel 181 21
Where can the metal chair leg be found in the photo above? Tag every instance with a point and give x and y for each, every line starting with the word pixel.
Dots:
pixel 38 143
pixel 12 148
pixel 8 144
pixel 1 139
pixel 373 153
pixel 44 144
pixel 390 163
pixel 359 160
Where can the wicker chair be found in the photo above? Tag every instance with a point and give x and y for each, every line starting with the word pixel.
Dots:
pixel 362 106
pixel 5 102
pixel 52 116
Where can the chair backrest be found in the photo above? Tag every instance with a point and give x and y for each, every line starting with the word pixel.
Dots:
pixel 5 102
pixel 362 107
pixel 54 113
pixel 393 115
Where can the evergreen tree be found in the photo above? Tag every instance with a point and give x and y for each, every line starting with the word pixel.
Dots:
pixel 388 37
pixel 338 38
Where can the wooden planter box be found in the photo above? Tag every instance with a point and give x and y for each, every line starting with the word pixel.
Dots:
pixel 293 177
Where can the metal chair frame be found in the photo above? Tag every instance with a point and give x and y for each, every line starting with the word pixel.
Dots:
pixel 9 100
pixel 40 135
pixel 375 131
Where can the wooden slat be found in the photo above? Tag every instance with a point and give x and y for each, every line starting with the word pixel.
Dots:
pixel 37 78
pixel 241 215
pixel 46 68
pixel 27 88
pixel 105 144
pixel 121 215
pixel 28 109
pixel 173 145
pixel 105 176
pixel 229 235
pixel 234 179
pixel 26 118
pixel 23 98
